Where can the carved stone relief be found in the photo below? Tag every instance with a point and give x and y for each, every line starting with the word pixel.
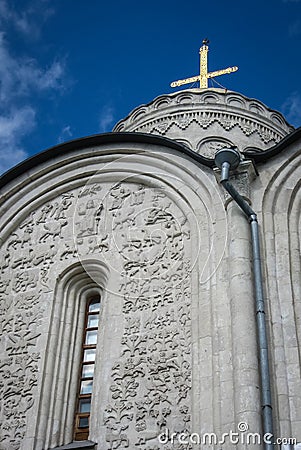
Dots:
pixel 26 261
pixel 206 119
pixel 209 147
pixel 20 321
pixel 137 229
pixel 151 380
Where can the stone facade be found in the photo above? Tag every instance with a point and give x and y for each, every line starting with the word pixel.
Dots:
pixel 132 217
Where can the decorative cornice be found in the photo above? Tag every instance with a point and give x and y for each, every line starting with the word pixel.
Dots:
pixel 197 100
pixel 181 114
pixel 205 119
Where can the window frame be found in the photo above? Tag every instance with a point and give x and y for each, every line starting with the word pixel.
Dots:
pixel 82 433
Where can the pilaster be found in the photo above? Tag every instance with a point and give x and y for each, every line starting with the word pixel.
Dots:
pixel 247 403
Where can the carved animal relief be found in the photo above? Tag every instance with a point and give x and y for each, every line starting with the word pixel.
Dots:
pixel 27 258
pixel 151 380
pixel 141 234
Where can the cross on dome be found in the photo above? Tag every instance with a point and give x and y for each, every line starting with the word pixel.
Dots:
pixel 204 74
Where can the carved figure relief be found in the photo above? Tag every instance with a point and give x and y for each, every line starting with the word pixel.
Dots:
pixel 208 147
pixel 137 228
pixel 26 259
pixel 152 376
pixel 20 320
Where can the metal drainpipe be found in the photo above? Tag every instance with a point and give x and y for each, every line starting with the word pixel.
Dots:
pixel 230 163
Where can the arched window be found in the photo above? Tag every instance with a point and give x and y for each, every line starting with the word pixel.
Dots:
pixel 85 385
pixel 68 359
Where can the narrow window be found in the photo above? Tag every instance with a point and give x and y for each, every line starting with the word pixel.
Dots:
pixel 82 415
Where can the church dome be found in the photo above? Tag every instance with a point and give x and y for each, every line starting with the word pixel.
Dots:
pixel 208 119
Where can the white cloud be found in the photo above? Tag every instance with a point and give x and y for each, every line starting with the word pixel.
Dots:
pixel 65 134
pixel 21 78
pixel 13 127
pixel 24 19
pixel 291 109
pixel 31 76
pixel 106 119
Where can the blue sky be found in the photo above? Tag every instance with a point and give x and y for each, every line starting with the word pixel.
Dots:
pixel 72 68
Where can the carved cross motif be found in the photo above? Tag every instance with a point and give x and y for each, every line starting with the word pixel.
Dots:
pixel 204 74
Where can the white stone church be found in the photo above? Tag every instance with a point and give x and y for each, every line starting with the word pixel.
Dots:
pixel 130 310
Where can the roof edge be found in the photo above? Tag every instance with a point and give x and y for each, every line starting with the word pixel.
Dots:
pixel 261 157
pixel 97 139
pixel 122 137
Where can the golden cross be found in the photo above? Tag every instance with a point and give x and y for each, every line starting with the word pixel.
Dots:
pixel 204 74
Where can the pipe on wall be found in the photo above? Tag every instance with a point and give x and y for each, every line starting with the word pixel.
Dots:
pixel 226 160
